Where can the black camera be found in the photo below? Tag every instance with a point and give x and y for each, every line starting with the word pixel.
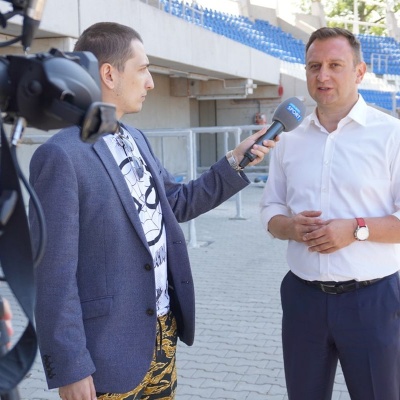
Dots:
pixel 54 90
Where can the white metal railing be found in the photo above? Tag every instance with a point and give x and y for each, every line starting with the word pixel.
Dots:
pixel 379 63
pixel 194 13
pixel 353 24
pixel 192 168
pixel 226 131
pixel 154 3
pixel 189 12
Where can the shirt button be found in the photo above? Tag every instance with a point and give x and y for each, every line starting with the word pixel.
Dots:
pixel 147 267
pixel 150 312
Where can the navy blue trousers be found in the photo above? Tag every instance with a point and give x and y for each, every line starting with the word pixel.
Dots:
pixel 360 328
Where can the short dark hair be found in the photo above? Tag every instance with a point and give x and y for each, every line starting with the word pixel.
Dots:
pixel 110 42
pixel 327 33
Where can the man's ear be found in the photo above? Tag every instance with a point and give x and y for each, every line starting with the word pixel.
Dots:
pixel 361 70
pixel 107 75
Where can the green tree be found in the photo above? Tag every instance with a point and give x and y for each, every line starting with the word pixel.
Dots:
pixel 366 13
pixel 344 9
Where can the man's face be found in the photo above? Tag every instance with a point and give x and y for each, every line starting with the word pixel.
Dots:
pixel 133 83
pixel 332 76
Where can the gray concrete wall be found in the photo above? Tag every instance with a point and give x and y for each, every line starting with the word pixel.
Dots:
pixel 168 40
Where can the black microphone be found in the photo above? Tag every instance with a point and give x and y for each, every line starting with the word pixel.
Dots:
pixel 287 116
pixel 32 17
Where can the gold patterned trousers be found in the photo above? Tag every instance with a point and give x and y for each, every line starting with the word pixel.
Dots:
pixel 161 380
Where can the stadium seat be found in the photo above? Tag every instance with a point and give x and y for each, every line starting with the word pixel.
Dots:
pixel 381 53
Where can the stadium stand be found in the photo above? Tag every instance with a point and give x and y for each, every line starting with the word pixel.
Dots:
pixel 380 98
pixel 382 54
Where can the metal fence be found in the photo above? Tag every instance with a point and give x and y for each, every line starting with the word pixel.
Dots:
pixel 230 134
pixel 237 132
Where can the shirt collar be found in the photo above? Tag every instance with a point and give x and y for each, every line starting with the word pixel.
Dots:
pixel 358 114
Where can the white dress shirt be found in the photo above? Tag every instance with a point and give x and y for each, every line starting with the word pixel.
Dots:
pixel 351 172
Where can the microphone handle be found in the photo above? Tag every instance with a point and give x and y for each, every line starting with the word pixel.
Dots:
pixel 273 131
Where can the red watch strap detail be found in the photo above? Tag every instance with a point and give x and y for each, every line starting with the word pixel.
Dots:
pixel 361 222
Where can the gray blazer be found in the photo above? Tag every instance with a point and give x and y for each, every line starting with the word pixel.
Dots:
pixel 96 302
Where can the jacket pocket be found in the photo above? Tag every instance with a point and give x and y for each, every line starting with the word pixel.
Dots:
pixel 96 308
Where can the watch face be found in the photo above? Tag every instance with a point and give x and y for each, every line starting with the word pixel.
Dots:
pixel 362 233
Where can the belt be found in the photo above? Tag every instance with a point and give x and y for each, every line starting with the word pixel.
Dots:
pixel 338 287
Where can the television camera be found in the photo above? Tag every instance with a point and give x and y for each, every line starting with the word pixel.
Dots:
pixel 46 91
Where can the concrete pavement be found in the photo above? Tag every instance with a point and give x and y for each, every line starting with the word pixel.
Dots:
pixel 237 352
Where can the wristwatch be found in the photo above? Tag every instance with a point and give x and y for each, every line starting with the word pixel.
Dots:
pixel 232 161
pixel 362 232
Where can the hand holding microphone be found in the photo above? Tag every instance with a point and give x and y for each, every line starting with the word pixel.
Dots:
pixel 287 116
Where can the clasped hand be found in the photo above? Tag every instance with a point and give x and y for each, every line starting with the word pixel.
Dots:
pixel 322 236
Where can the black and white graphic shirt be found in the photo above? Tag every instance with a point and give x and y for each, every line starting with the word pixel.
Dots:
pixel 141 186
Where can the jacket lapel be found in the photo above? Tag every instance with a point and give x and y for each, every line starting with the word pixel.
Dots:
pixel 168 214
pixel 102 150
pixel 149 159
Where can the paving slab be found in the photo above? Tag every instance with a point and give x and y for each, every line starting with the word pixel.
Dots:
pixel 237 352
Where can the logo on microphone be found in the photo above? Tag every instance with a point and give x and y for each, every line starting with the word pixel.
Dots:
pixel 294 111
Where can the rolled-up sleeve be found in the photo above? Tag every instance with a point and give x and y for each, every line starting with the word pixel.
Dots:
pixel 273 199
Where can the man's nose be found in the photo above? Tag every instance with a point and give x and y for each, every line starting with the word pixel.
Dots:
pixel 323 73
pixel 150 82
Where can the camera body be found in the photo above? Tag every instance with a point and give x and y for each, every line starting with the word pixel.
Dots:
pixel 54 90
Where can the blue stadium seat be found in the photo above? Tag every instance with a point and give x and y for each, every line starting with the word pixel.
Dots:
pixel 380 98
pixel 383 53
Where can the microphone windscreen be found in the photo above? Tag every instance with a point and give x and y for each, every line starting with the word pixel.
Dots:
pixel 290 113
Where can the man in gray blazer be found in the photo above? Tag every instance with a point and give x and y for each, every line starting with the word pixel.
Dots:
pixel 114 288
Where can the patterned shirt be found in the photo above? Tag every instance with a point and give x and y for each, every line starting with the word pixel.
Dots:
pixel 144 194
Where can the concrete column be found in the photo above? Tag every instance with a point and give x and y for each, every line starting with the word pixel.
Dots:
pixel 317 9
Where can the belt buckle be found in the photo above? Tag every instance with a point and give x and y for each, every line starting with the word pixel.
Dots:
pixel 335 289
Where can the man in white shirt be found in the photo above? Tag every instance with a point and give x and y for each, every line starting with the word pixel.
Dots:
pixel 333 192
